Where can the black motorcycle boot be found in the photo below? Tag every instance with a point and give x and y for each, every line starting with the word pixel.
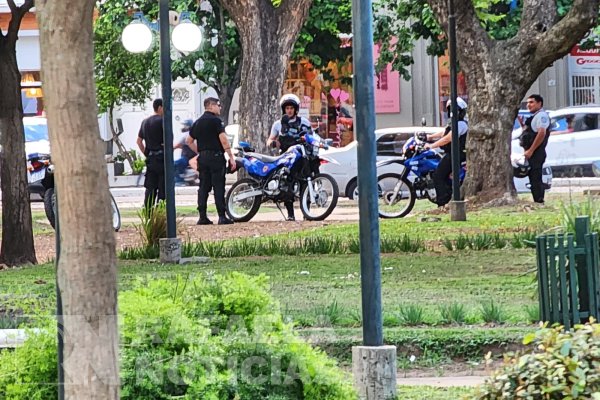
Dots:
pixel 290 211
pixel 203 220
pixel 223 220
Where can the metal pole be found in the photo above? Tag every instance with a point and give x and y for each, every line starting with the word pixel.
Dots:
pixel 370 266
pixel 59 308
pixel 457 206
pixel 453 94
pixel 165 75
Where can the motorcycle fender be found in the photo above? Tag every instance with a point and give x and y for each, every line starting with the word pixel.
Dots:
pixel 390 161
pixel 328 160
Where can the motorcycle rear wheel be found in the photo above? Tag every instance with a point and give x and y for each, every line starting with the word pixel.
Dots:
pixel 243 210
pixel 396 196
pixel 50 209
pixel 326 198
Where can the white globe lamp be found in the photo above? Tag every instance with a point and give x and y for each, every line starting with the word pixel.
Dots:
pixel 186 37
pixel 137 37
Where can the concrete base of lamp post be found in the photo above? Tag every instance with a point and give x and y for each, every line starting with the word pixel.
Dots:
pixel 458 210
pixel 170 250
pixel 374 369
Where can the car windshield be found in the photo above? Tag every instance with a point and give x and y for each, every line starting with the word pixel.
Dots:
pixel 36 131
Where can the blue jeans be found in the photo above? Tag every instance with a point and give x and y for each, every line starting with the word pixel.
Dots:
pixel 180 166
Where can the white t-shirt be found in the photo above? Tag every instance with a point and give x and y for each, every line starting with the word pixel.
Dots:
pixel 540 120
pixel 276 128
pixel 462 128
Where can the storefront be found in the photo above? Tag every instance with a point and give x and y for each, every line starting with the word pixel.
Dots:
pixel 584 76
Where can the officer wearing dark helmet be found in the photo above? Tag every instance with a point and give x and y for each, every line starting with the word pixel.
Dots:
pixel 536 131
pixel 286 132
pixel 151 143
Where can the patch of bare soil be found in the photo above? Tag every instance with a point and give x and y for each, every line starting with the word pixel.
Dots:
pixel 128 236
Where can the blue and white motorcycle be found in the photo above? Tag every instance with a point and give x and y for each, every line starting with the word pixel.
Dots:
pixel 414 181
pixel 292 175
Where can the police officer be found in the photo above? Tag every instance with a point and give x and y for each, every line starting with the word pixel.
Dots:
pixel 151 144
pixel 208 139
pixel 536 131
pixel 443 187
pixel 286 133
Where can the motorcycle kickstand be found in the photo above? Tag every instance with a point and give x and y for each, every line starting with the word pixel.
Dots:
pixel 280 210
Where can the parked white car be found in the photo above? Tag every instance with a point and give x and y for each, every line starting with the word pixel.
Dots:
pixel 389 145
pixel 574 142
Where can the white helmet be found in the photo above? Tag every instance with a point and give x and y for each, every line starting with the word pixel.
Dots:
pixel 462 105
pixel 289 100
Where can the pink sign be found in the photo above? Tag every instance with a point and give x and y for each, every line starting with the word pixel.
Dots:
pixel 387 89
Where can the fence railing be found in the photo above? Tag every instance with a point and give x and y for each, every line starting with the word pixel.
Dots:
pixel 569 276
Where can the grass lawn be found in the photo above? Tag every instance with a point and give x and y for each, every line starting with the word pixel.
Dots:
pixel 432 393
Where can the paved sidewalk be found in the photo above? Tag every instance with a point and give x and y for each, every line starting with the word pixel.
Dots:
pixel 442 381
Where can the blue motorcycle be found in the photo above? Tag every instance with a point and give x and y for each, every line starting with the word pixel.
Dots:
pixel 292 175
pixel 398 191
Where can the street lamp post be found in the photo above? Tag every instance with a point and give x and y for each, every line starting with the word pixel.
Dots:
pixel 457 206
pixel 186 36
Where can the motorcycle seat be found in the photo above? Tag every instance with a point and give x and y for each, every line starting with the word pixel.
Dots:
pixel 264 158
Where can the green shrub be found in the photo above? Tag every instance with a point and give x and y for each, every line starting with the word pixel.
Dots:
pixel 210 337
pixel 558 365
pixel 452 313
pixel 412 315
pixel 153 225
pixel 533 313
pixel 572 210
pixel 492 312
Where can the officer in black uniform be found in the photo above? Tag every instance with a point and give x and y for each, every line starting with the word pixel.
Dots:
pixel 443 186
pixel 151 143
pixel 208 138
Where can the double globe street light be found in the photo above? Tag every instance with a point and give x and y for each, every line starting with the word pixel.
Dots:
pixel 138 37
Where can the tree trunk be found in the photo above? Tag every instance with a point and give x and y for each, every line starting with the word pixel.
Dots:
pixel 226 93
pixel 86 271
pixel 499 73
pixel 268 35
pixel 17 231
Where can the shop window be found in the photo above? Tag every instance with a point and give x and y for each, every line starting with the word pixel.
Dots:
pixel 32 96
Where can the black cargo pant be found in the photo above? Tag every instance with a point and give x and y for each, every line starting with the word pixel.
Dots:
pixel 536 163
pixel 155 178
pixel 211 168
pixel 441 181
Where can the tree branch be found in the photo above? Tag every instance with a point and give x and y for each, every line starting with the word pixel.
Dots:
pixel 537 17
pixel 17 14
pixel 576 23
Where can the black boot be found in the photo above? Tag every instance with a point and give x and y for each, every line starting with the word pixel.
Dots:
pixel 223 220
pixel 290 211
pixel 204 220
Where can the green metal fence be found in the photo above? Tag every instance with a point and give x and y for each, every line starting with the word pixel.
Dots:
pixel 569 276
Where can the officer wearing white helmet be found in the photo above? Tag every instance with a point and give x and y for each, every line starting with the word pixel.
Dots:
pixel 286 132
pixel 443 187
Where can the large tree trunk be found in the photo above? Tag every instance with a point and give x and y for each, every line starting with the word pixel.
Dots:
pixel 268 36
pixel 87 276
pixel 17 232
pixel 499 73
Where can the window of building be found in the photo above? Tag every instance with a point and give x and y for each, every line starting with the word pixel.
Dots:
pixel 32 97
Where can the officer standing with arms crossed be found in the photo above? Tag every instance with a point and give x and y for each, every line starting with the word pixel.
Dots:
pixel 151 143
pixel 208 139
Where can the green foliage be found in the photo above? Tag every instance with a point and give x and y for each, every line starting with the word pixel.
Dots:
pixel 491 312
pixel 30 371
pixel 121 77
pixel 153 225
pixel 558 365
pixel 533 313
pixel 588 208
pixel 210 337
pixel 138 162
pixel 412 314
pixel 330 314
pixel 452 313
pixel 152 222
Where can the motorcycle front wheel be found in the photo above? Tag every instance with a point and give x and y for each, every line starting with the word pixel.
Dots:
pixel 242 201
pixel 326 195
pixel 50 209
pixel 396 196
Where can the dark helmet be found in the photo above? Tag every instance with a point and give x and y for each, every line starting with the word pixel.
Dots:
pixel 289 100
pixel 187 125
pixel 520 166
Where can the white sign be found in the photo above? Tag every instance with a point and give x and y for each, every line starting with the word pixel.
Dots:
pixel 584 62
